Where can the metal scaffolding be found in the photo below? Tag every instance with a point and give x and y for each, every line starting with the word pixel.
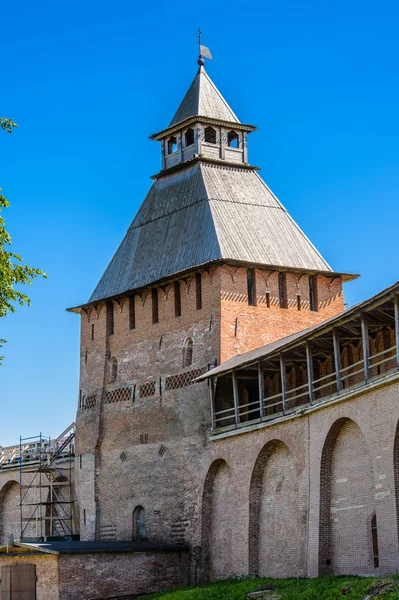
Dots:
pixel 45 476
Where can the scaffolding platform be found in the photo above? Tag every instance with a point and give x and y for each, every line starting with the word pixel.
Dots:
pixel 46 497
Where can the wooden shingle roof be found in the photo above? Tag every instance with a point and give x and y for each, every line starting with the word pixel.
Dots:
pixel 204 99
pixel 204 213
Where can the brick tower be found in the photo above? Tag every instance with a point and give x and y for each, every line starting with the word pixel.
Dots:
pixel 211 266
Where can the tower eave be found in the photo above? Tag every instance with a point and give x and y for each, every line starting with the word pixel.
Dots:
pixel 204 159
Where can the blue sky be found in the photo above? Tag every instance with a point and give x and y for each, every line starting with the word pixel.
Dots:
pixel 88 82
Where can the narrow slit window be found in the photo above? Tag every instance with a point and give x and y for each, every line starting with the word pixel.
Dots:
pixel 188 353
pixel 251 284
pixel 189 137
pixel 210 135
pixel 132 312
pixel 92 332
pixel 374 537
pixel 114 371
pixel 177 299
pixel 198 290
pixel 155 312
pixel 110 318
pixel 267 299
pixel 313 295
pixel 298 302
pixel 282 288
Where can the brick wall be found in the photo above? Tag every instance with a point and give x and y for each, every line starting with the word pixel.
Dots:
pixel 134 449
pixel 352 502
pixel 244 327
pixel 148 450
pixel 303 492
pixel 103 575
pixel 10 523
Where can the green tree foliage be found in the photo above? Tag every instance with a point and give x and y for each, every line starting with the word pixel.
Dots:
pixel 12 270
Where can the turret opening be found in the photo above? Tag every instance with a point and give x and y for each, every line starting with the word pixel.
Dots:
pixel 189 137
pixel 210 135
pixel 233 140
pixel 172 145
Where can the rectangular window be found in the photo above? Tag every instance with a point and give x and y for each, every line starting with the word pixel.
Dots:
pixel 251 284
pixel 313 295
pixel 177 299
pixel 110 318
pixel 132 312
pixel 84 516
pixel 92 332
pixel 198 290
pixel 282 289
pixel 155 315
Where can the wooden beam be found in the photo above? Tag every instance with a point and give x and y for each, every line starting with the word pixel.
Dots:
pixel 236 397
pixel 222 150
pixel 337 359
pixel 261 381
pixel 396 304
pixel 198 140
pixel 283 381
pixel 366 347
pixel 181 147
pixel 163 155
pixel 309 365
pixel 212 399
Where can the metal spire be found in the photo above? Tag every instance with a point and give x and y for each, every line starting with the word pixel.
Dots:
pixel 203 50
pixel 201 61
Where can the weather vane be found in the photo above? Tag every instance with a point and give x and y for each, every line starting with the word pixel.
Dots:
pixel 203 50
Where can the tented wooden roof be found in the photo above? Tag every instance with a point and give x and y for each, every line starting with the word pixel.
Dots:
pixel 204 99
pixel 204 213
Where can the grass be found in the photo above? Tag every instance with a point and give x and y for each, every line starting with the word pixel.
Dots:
pixel 326 588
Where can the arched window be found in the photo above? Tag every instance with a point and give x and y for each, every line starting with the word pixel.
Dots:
pixel 172 145
pixel 139 523
pixel 189 137
pixel 210 135
pixel 114 371
pixel 233 139
pixel 188 353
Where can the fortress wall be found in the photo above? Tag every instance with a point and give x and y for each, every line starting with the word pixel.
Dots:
pixel 303 493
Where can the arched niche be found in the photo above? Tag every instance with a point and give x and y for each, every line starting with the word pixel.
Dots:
pixel 277 524
pixel 216 521
pixel 10 517
pixel 348 525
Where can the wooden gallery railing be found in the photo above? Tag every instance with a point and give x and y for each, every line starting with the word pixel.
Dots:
pixel 313 391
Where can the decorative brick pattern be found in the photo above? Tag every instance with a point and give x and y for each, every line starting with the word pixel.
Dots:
pixel 119 395
pixel 147 389
pixel 89 402
pixel 175 382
